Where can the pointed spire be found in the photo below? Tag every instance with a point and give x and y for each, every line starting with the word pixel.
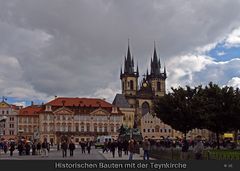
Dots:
pixel 125 64
pixel 128 53
pixel 154 54
pixel 165 72
pixel 121 72
pixel 137 70
pixel 155 63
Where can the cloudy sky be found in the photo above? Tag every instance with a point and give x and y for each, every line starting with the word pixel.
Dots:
pixel 76 47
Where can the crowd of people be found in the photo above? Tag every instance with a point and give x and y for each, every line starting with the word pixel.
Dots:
pixel 120 147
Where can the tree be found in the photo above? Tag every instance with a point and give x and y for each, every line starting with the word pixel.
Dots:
pixel 218 108
pixel 178 108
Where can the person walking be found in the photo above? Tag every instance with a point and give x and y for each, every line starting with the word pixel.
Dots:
pixel 28 148
pixel 88 145
pixel 198 149
pixel 113 148
pixel 125 147
pixel 185 147
pixel 12 147
pixel 39 148
pixel 45 148
pixel 146 149
pixel 82 144
pixel 131 149
pixel 20 148
pixel 71 148
pixel 120 148
pixel 105 146
pixel 64 147
pixel 34 146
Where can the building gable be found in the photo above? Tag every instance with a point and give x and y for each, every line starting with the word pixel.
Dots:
pixel 100 111
pixel 63 110
pixel 3 104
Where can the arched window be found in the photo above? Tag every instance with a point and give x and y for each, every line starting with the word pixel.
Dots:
pixel 158 86
pixel 157 128
pixel 145 108
pixel 131 85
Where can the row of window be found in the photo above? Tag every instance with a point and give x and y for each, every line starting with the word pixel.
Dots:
pixel 5 112
pixel 10 125
pixel 28 120
pixel 130 85
pixel 158 130
pixel 82 128
pixel 10 132
pixel 84 118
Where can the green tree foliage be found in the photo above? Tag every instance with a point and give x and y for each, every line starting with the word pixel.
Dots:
pixel 212 107
pixel 178 108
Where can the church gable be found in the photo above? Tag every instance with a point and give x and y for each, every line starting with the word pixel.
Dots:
pixel 3 104
pixel 63 110
pixel 100 111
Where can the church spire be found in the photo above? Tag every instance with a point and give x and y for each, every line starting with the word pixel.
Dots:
pixel 155 63
pixel 137 70
pixel 129 62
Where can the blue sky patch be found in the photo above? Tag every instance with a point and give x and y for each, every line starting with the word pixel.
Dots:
pixel 223 53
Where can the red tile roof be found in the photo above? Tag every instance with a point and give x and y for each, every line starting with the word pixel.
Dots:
pixel 30 110
pixel 93 102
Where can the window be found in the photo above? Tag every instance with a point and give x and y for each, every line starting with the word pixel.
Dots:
pixel 161 130
pixel 77 128
pixel 76 139
pixel 156 128
pixel 144 130
pixel 7 112
pixel 105 128
pixel 11 125
pixel 95 127
pixel 11 132
pixel 112 128
pixel 149 130
pixel 165 130
pixel 88 127
pixel 100 128
pixel 158 86
pixel 69 127
pixel 131 85
pixel 152 130
pixel 3 112
pixel 82 128
pixel 169 130
pixel 145 108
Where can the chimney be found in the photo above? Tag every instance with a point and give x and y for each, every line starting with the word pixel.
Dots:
pixel 32 103
pixel 55 97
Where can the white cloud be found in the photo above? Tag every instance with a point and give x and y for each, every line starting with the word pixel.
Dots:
pixel 107 93
pixel 233 39
pixel 75 48
pixel 234 82
pixel 23 103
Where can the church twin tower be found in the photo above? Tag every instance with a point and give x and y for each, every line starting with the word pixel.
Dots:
pixel 151 87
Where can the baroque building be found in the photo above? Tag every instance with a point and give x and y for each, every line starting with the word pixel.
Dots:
pixel 9 128
pixel 79 119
